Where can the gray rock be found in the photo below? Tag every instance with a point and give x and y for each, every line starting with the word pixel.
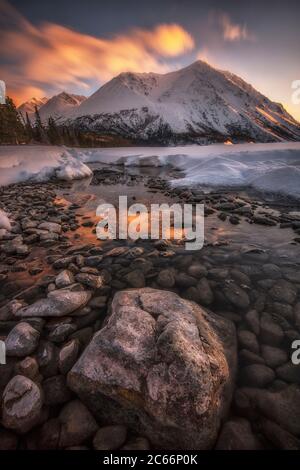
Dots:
pixel 289 373
pixel 197 270
pixel 92 281
pixel 61 332
pixel 50 227
pixel 22 340
pixel 119 378
pixel 135 278
pixel 22 404
pixel 237 434
pixel 28 367
pixel 58 304
pixel 137 443
pixel 248 357
pixel 256 375
pixel 77 424
pixel 55 390
pixel 64 279
pixel 166 278
pixel 270 332
pixel 280 438
pixel 248 340
pixel 283 291
pixel 236 295
pixel 110 437
pixel 68 355
pixel 282 407
pixel 252 320
pixel 272 271
pixel 273 357
pixel 205 293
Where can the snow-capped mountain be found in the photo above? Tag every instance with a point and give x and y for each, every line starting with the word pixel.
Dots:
pixel 58 107
pixel 29 106
pixel 195 104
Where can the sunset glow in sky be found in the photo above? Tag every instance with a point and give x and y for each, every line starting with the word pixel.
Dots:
pixel 48 47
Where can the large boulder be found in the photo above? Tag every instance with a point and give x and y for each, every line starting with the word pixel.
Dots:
pixel 161 365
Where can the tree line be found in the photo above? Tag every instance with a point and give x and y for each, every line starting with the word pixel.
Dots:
pixel 18 129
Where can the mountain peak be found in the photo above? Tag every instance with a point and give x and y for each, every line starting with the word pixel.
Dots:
pixel 196 103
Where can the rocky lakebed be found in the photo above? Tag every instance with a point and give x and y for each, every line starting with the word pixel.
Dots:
pixel 145 345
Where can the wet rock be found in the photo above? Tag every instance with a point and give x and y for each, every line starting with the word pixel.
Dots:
pixel 28 367
pixel 90 280
pixel 282 407
pixel 137 443
pixel 289 373
pixel 248 340
pixel 197 270
pixel 68 355
pixel 77 424
pixel 248 357
pixel 237 434
pixel 253 321
pixel 280 438
pixel 256 375
pixel 205 293
pixel 22 404
pixel 61 332
pixel 50 227
pixel 22 340
pixel 283 291
pixel 263 220
pixel 184 280
pixel 119 378
pixel 93 261
pixel 46 356
pixel 166 278
pixel 49 435
pixel 118 251
pixel 271 271
pixel 64 279
pixel 58 303
pixel 110 437
pixel 55 390
pixel 270 332
pixel 236 295
pixel 273 357
pixel 135 278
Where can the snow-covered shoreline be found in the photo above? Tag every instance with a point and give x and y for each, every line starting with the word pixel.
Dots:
pixel 271 167
pixel 39 163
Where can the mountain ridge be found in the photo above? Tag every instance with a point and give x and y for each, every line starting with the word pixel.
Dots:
pixel 197 103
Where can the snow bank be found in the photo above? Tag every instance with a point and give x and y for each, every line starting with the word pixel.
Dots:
pixel 271 167
pixel 38 163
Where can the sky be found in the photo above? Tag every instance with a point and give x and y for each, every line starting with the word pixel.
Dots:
pixel 51 46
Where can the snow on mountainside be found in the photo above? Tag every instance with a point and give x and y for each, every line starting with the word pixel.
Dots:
pixel 59 106
pixel 29 106
pixel 195 104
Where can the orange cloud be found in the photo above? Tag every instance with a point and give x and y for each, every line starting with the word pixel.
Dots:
pixel 233 31
pixel 59 56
